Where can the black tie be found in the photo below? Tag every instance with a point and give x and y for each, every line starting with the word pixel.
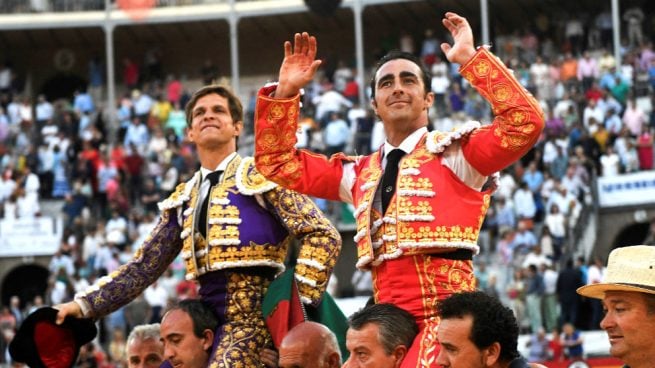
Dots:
pixel 202 222
pixel 389 178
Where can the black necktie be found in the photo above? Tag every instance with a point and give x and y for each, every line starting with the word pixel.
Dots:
pixel 202 222
pixel 390 175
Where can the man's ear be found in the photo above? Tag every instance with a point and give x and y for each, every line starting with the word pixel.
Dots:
pixel 399 353
pixel 208 339
pixel 429 100
pixel 189 134
pixel 492 354
pixel 374 106
pixel 334 360
pixel 238 127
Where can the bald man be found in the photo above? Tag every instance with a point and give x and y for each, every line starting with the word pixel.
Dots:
pixel 310 344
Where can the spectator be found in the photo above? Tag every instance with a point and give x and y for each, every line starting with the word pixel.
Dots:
pixel 310 344
pixel 538 346
pixel 633 17
pixel 187 332
pixel 524 203
pixel 336 134
pixel 362 283
pixel 610 162
pixel 627 295
pixel 634 117
pixel 477 331
pixel 645 148
pixel 379 336
pixel 550 308
pixel 555 347
pixel 144 348
pixel 572 341
pixel 569 279
pixel 534 295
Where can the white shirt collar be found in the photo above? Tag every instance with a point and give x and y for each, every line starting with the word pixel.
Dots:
pixel 408 144
pixel 222 166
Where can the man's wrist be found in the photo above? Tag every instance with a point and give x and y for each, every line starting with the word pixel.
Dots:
pixel 84 307
pixel 283 92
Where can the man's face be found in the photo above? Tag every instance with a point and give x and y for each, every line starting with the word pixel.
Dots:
pixel 211 122
pixel 629 327
pixel 182 348
pixel 400 99
pixel 366 351
pixel 457 349
pixel 147 353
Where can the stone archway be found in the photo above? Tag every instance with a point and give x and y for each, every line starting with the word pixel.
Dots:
pixel 25 281
pixel 632 234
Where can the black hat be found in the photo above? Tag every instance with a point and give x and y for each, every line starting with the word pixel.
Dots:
pixel 41 343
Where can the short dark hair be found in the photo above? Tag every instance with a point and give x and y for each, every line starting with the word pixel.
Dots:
pixel 397 54
pixel 492 321
pixel 201 314
pixel 233 102
pixel 396 326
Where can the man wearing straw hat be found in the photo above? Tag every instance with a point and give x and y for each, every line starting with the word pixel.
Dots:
pixel 628 295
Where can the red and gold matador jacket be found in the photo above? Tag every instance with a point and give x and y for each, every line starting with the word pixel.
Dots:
pixel 433 210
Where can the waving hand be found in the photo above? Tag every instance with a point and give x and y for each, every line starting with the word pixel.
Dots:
pixel 299 65
pixel 462 49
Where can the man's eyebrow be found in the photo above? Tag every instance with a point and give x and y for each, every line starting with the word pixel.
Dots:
pixel 385 78
pixel 405 74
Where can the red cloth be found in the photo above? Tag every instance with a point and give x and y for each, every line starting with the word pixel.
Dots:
pixel 417 284
pixel 58 352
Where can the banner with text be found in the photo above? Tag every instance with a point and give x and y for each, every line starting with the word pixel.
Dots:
pixel 627 189
pixel 29 236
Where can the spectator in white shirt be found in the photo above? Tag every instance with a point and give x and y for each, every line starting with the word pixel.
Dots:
pixel 609 162
pixel 336 134
pixel 524 203
pixel 157 298
pixel 330 100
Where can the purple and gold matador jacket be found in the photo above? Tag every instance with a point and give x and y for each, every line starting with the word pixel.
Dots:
pixel 250 223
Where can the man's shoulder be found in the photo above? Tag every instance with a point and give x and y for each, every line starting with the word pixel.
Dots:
pixel 181 194
pixel 437 141
pixel 249 180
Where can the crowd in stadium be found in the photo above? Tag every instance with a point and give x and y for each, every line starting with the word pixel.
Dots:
pixel 600 121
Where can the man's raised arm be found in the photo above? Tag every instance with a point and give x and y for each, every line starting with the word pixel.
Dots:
pixel 276 122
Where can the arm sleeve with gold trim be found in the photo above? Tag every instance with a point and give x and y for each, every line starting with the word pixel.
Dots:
pixel 518 120
pixel 149 262
pixel 320 242
pixel 276 157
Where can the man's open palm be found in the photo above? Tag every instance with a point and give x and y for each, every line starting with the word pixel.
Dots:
pixel 299 65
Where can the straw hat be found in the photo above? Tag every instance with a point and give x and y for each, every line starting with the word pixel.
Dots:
pixel 628 269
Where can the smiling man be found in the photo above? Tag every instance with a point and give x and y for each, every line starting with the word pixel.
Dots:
pixel 628 295
pixel 232 228
pixel 478 331
pixel 421 198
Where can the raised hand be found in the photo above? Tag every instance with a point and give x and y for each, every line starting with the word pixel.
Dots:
pixel 462 49
pixel 299 65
